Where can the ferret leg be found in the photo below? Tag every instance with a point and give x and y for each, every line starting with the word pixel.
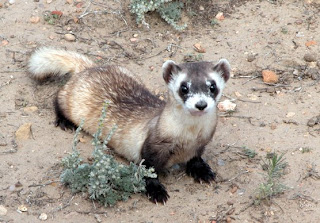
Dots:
pixel 200 170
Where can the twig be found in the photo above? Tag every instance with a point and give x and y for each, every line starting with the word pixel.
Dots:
pixel 239 174
pixel 245 208
pixel 252 78
pixel 43 185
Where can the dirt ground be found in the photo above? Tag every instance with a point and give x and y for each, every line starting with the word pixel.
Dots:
pixel 254 35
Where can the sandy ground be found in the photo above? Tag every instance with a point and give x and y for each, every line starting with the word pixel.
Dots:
pixel 254 36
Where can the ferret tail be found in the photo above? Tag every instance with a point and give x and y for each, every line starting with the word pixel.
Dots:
pixel 48 62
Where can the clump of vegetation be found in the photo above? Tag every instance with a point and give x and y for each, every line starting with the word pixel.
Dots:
pixel 249 153
pixel 168 10
pixel 274 166
pixel 106 180
pixel 52 17
pixel 193 57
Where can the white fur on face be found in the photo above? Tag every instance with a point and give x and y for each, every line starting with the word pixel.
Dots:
pixel 193 99
pixel 219 83
pixel 174 85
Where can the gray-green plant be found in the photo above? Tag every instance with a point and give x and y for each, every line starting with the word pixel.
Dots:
pixel 249 153
pixel 169 10
pixel 274 166
pixel 106 180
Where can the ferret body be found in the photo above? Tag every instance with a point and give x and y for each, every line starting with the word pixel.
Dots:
pixel 161 133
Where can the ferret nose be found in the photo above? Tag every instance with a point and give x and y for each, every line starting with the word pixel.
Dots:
pixel 201 105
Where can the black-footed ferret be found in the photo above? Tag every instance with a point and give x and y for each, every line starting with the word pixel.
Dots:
pixel 161 133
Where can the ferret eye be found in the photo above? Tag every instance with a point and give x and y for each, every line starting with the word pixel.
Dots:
pixel 184 89
pixel 213 87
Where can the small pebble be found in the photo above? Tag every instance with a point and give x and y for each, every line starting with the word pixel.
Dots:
pixel 220 16
pixel 228 220
pixel 35 19
pixel 3 210
pixel 234 189
pixel 310 57
pixel 313 73
pixel 43 216
pixel 290 114
pixel 23 132
pixel 22 208
pixel 197 47
pixel 221 162
pixel 251 57
pixel 11 2
pixel 30 109
pixel 69 37
pixel 230 202
pixel 201 8
pixel 314 121
pixel 133 40
pixel 227 106
pixel 270 76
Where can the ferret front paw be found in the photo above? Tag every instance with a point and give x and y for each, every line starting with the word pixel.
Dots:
pixel 200 170
pixel 156 192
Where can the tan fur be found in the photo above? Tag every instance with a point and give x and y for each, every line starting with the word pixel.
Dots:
pixel 46 62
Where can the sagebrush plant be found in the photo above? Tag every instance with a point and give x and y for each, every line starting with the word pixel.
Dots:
pixel 169 10
pixel 274 165
pixel 106 180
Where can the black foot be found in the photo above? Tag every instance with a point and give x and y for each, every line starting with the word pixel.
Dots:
pixel 156 192
pixel 61 120
pixel 200 170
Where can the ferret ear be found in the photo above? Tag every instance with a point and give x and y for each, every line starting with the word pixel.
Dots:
pixel 223 68
pixel 169 69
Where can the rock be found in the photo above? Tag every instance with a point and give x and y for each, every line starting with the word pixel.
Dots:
pixel 252 97
pixel 30 109
pixel 197 47
pixel 1 5
pixel 228 220
pixel 234 189
pixel 238 94
pixel 220 16
pixel 3 210
pixel 230 202
pixel 22 208
pixel 43 216
pixel 35 19
pixel 227 106
pixel 11 2
pixel 290 114
pixel 4 42
pixel 313 73
pixel 133 40
pixel 201 8
pixel 310 57
pixel 69 37
pixel 251 57
pixel 24 132
pixel 310 43
pixel 270 76
pixel 314 121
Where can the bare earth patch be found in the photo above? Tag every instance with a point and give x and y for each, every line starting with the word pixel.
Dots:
pixel 279 117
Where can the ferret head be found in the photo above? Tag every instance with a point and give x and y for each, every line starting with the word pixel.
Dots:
pixel 196 86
